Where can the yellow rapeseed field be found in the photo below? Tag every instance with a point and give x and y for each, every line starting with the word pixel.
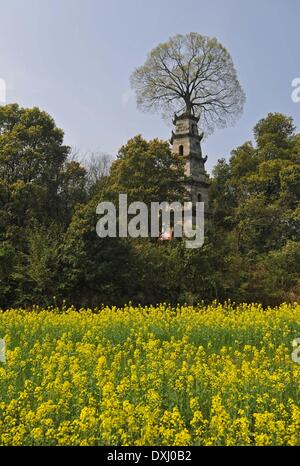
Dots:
pixel 216 375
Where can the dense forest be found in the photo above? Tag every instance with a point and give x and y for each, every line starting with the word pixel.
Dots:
pixel 50 253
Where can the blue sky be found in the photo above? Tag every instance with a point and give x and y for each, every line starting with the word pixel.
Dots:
pixel 73 58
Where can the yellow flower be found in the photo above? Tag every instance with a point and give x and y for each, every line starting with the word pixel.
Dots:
pixel 214 375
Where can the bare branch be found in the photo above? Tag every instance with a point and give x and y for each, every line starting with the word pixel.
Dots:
pixel 194 74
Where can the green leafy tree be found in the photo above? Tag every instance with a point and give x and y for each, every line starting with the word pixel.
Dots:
pixel 39 188
pixel 148 172
pixel 256 206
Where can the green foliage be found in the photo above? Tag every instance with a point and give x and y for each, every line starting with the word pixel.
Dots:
pixel 259 191
pixel 148 172
pixel 49 246
pixel 39 190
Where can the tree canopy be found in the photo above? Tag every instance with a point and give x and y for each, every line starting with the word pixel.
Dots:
pixel 48 241
pixel 190 73
pixel 148 171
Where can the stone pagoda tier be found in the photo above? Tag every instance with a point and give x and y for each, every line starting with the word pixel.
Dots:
pixel 186 142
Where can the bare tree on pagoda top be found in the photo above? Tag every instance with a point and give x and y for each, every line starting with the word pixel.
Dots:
pixel 191 74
